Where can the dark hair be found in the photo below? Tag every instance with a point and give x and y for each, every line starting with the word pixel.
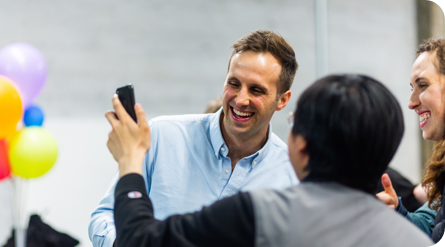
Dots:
pixel 262 41
pixel 434 179
pixel 353 126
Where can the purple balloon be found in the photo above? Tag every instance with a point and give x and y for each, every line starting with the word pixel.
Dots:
pixel 26 66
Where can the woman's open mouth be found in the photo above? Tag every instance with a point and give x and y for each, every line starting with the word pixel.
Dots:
pixel 424 118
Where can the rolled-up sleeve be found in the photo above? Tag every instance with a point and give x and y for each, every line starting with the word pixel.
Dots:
pixel 101 230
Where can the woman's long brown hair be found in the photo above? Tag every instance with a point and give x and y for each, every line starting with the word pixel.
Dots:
pixel 434 178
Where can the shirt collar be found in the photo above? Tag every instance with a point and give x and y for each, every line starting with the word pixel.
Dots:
pixel 218 141
pixel 215 133
pixel 260 154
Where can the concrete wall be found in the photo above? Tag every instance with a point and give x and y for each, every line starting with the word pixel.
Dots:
pixel 176 54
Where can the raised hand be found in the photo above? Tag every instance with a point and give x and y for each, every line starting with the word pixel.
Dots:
pixel 128 141
pixel 389 196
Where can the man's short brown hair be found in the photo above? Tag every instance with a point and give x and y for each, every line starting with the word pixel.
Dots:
pixel 263 41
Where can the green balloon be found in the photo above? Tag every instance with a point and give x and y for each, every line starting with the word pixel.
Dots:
pixel 32 152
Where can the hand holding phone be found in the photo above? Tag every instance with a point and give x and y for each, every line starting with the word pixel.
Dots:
pixel 128 142
pixel 126 97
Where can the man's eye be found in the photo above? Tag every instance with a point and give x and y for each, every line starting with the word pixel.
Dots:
pixel 257 90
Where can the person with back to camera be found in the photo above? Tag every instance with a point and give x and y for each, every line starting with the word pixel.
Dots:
pixel 428 101
pixel 195 160
pixel 341 142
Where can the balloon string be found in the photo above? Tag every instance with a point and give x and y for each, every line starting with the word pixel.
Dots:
pixel 24 204
pixel 14 202
pixel 17 199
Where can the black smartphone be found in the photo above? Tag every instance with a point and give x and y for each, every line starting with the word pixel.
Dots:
pixel 126 96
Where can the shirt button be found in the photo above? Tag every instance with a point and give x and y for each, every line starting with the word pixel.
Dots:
pixel 227 171
pixel 216 154
pixel 254 162
pixel 223 149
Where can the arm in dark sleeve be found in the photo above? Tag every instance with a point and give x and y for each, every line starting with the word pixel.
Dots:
pixel 423 217
pixel 439 223
pixel 228 222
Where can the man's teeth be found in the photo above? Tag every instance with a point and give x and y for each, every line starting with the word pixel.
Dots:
pixel 424 117
pixel 244 114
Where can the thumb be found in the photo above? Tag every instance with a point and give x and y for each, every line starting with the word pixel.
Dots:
pixel 387 185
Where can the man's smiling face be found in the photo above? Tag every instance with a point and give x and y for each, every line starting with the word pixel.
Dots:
pixel 250 94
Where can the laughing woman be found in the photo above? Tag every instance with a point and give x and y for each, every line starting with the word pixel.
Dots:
pixel 428 101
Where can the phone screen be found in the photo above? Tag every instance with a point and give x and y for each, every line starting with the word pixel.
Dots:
pixel 126 97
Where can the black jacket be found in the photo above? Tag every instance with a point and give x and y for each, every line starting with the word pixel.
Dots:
pixel 439 222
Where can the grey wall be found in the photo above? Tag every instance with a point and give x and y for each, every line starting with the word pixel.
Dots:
pixel 176 54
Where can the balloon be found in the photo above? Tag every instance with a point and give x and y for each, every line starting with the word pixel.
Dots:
pixel 11 109
pixel 32 152
pixel 33 116
pixel 5 168
pixel 26 66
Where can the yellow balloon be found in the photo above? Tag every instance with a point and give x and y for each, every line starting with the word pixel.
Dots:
pixel 32 152
pixel 11 109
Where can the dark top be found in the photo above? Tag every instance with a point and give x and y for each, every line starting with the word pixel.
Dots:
pixel 228 222
pixel 439 222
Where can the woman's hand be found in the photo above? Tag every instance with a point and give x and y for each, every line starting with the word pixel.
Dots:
pixel 389 196
pixel 128 141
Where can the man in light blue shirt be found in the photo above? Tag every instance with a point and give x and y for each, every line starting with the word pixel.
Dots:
pixel 195 160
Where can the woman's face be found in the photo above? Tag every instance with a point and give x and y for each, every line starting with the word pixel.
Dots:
pixel 427 98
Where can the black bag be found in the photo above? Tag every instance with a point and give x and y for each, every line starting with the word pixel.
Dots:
pixel 40 234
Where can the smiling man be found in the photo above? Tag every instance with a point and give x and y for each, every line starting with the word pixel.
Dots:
pixel 341 142
pixel 195 160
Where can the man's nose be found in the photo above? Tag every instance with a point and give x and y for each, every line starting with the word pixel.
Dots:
pixel 243 98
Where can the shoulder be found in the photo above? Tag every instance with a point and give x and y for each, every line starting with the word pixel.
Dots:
pixel 276 148
pixel 181 118
pixel 277 142
pixel 346 210
pixel 188 120
pixel 276 152
pixel 312 197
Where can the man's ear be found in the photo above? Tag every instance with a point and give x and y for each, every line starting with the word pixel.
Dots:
pixel 301 148
pixel 283 100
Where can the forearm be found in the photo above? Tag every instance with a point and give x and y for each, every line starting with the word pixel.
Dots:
pixel 131 164
pixel 101 229
pixel 228 222
pixel 423 218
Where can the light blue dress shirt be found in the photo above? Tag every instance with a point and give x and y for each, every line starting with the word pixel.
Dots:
pixel 187 167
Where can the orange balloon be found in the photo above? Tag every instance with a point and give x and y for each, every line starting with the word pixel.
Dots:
pixel 11 109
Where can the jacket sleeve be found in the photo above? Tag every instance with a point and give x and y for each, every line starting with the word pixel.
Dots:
pixel 228 222
pixel 439 223
pixel 423 217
